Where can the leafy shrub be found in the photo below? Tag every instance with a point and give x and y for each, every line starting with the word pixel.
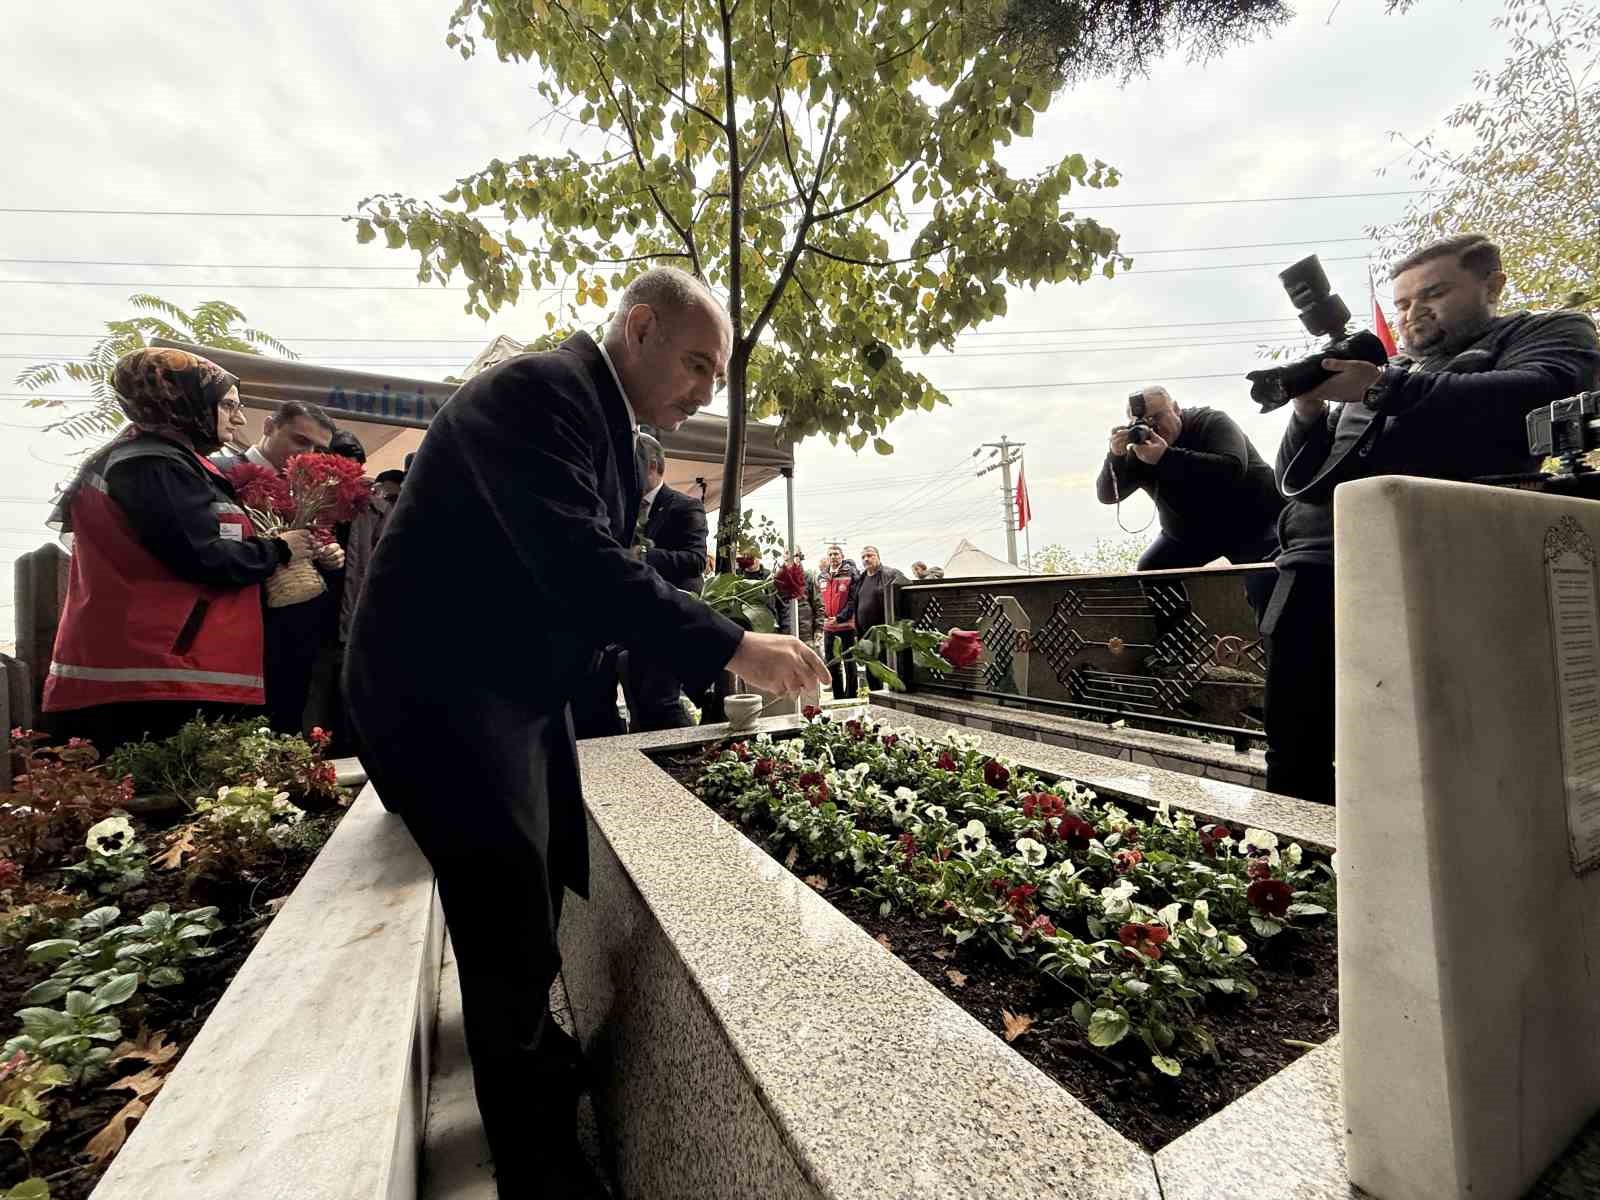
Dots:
pixel 67 1036
pixel 151 951
pixel 206 755
pixel 59 795
pixel 24 1080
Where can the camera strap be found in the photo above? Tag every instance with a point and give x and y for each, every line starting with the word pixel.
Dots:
pixel 1350 464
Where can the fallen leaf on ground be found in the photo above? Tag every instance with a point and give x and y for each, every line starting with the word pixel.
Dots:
pixel 820 882
pixel 941 954
pixel 956 977
pixel 1016 1024
pixel 792 857
pixel 883 940
pixel 180 842
pixel 149 1047
pixel 146 1083
pixel 110 1138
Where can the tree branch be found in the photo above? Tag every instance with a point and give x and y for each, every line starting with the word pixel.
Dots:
pixel 874 262
pixel 845 210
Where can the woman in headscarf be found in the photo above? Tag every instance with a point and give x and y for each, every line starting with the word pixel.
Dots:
pixel 163 611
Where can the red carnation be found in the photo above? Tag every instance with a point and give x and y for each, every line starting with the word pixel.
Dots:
pixel 262 489
pixel 791 582
pixel 947 761
pixel 1075 831
pixel 962 648
pixel 1145 939
pixel 326 488
pixel 1271 896
pixel 995 775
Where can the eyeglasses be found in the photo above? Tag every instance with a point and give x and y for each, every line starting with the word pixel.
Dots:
pixel 232 407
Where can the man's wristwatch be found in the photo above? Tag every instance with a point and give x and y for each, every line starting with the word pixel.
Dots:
pixel 1389 379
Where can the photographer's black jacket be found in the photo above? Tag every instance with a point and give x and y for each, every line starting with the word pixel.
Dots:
pixel 1211 488
pixel 1457 414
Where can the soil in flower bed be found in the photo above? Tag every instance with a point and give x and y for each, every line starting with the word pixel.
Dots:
pixel 1297 1006
pixel 177 1012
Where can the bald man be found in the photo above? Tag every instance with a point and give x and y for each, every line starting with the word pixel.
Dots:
pixel 509 548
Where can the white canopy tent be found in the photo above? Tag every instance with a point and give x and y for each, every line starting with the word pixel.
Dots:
pixel 390 414
pixel 969 562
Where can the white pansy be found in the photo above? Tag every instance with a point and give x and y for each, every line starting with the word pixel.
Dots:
pixel 111 836
pixel 1116 818
pixel 1200 922
pixel 1164 813
pixel 936 812
pixel 1293 854
pixel 1118 901
pixel 1183 821
pixel 973 839
pixel 1233 944
pixel 903 805
pixel 1031 852
pixel 1081 794
pixel 1258 841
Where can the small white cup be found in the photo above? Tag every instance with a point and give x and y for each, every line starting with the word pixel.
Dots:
pixel 742 709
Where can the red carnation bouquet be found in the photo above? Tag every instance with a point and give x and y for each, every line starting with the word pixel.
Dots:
pixel 314 492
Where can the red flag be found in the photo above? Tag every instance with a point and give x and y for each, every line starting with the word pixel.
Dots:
pixel 1380 323
pixel 1024 513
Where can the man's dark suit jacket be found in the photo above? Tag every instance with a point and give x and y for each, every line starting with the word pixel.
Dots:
pixel 503 568
pixel 677 529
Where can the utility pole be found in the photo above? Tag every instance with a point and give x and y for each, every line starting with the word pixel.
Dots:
pixel 1008 497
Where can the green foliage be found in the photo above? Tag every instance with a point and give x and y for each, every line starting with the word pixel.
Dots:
pixel 1105 557
pixel 884 642
pixel 113 861
pixel 743 600
pixel 830 169
pixel 150 952
pixel 24 1080
pixel 61 793
pixel 255 819
pixel 29 1189
pixel 1529 176
pixel 67 1036
pixel 213 323
pixel 206 755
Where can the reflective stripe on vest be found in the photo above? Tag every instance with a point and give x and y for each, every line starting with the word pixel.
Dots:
pixel 154 675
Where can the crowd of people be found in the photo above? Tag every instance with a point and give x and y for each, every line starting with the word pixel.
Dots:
pixel 535 538
pixel 164 616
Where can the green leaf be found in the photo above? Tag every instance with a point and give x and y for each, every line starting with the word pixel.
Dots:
pixel 884 675
pixel 881 446
pixel 364 231
pixel 1108 1026
pixel 28 1189
pixel 1307 910
pixel 47 992
pixel 1166 1065
pixel 760 618
pixel 1265 926
pixel 116 990
pixel 52 949
pixel 1081 1013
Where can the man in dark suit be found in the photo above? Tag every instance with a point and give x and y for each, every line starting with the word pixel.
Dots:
pixel 672 527
pixel 504 567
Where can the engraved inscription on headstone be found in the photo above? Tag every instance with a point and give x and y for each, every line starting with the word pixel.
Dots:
pixel 1574 595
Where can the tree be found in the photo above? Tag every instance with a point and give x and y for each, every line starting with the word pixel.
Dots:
pixel 1105 557
pixel 214 323
pixel 829 168
pixel 1531 176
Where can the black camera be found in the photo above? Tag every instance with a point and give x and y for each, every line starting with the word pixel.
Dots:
pixel 1139 430
pixel 1566 430
pixel 1323 314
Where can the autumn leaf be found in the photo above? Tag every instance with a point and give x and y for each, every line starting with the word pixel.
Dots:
pixel 180 842
pixel 941 954
pixel 110 1138
pixel 152 1048
pixel 956 978
pixel 792 857
pixel 1016 1024
pixel 883 940
pixel 146 1083
pixel 820 882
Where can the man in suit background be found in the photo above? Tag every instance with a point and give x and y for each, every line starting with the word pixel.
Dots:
pixel 672 534
pixel 510 545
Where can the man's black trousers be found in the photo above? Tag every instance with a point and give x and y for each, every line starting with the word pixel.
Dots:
pixel 844 675
pixel 1167 553
pixel 653 694
pixel 1300 682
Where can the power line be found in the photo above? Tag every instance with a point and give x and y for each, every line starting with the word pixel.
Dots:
pixel 1019 387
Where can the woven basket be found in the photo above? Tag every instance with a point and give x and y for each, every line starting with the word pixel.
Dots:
pixel 294 584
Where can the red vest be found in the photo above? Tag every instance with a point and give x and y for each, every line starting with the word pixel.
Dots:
pixel 131 630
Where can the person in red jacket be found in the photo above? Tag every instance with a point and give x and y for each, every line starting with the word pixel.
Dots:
pixel 163 611
pixel 837 579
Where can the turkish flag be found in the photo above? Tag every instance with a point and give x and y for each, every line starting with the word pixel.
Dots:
pixel 1024 513
pixel 1380 324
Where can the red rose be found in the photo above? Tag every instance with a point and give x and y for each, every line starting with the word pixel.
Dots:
pixel 995 775
pixel 1127 860
pixel 746 562
pixel 811 712
pixel 1145 939
pixel 1271 896
pixel 1075 831
pixel 962 647
pixel 791 582
pixel 947 761
pixel 765 767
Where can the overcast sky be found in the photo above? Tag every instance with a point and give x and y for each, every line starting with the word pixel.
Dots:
pixel 295 108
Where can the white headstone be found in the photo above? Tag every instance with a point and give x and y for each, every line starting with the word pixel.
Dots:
pixel 1468 747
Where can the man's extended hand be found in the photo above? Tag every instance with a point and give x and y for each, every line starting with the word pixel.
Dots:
pixel 1151 449
pixel 1349 382
pixel 1119 440
pixel 777 663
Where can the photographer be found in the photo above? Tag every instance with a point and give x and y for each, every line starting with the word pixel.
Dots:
pixel 1214 495
pixel 1452 406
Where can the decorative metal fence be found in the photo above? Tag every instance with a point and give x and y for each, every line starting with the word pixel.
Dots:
pixel 1176 650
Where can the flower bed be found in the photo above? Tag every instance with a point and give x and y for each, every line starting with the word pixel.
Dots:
pixel 1156 968
pixel 120 932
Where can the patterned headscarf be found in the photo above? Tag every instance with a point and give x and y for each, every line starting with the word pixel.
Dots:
pixel 164 391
